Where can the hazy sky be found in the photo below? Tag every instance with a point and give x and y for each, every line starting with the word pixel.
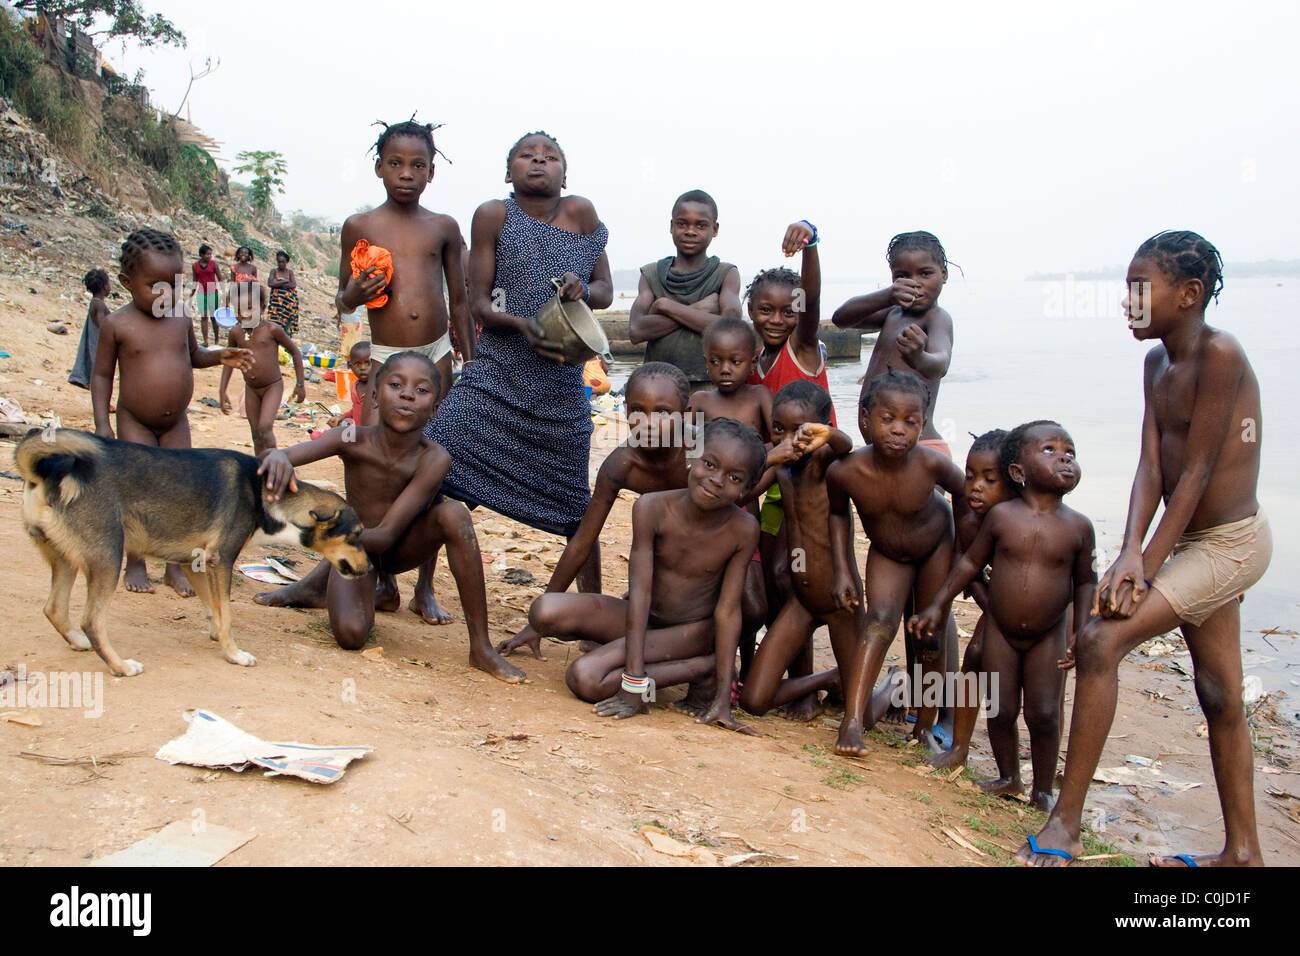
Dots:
pixel 1027 136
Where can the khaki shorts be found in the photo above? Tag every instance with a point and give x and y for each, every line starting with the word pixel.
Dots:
pixel 1209 568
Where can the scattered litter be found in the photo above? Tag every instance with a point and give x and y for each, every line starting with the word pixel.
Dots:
pixel 263 573
pixel 1139 760
pixel 23 718
pixel 180 843
pixel 1150 777
pixel 210 402
pixel 11 411
pixel 374 654
pixel 1252 689
pixel 58 328
pixel 211 741
pixel 661 842
pixel 1158 649
pixel 285 567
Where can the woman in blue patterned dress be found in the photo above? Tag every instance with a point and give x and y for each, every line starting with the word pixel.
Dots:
pixel 518 423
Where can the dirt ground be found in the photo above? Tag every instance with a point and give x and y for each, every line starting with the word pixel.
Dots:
pixel 466 770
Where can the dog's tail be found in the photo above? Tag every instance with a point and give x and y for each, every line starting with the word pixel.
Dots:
pixel 60 461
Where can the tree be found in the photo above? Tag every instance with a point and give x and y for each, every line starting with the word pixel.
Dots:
pixel 267 167
pixel 127 18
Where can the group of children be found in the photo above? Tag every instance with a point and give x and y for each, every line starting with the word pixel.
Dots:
pixel 745 482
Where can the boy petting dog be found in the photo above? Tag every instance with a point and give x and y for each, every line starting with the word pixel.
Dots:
pixel 391 473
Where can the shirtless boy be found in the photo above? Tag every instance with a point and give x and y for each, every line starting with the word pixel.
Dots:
pixel 263 384
pixel 426 250
pixel 892 482
pixel 391 474
pixel 805 447
pixel 681 620
pixel 152 338
pixel 1200 454
pixel 730 346
pixel 656 395
pixel 1041 552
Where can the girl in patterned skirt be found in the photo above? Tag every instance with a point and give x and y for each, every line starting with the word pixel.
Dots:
pixel 518 423
pixel 282 307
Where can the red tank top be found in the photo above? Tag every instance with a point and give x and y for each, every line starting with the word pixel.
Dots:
pixel 206 277
pixel 786 369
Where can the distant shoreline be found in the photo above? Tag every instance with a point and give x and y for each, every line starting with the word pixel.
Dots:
pixel 1266 269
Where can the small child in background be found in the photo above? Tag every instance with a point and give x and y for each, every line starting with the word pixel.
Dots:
pixel 152 337
pixel 263 383
pixel 207 292
pixel 1041 553
pixel 358 391
pixel 97 285
pixel 730 345
pixel 244 270
pixel 985 487
pixel 893 483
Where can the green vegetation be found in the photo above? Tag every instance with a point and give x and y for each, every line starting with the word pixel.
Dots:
pixel 842 779
pixel 40 92
pixel 126 18
pixel 268 168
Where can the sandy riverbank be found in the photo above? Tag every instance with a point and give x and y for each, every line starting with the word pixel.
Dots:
pixel 468 770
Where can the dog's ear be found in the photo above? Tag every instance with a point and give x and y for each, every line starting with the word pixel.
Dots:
pixel 322 516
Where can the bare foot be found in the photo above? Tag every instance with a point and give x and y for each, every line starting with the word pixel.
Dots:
pixel 387 598
pixel 492 663
pixel 1051 837
pixel 426 605
pixel 850 742
pixel 177 580
pixel 137 577
pixel 926 739
pixel 1001 786
pixel 954 756
pixel 304 593
pixel 806 708
pixel 525 638
pixel 699 696
pixel 1042 800
pixel 621 706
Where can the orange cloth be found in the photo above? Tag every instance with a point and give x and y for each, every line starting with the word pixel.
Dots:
pixel 364 255
pixel 593 374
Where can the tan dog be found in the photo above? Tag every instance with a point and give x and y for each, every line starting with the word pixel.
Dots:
pixel 89 501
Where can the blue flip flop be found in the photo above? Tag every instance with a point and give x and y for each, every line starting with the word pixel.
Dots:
pixel 942 736
pixel 1186 858
pixel 1047 850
